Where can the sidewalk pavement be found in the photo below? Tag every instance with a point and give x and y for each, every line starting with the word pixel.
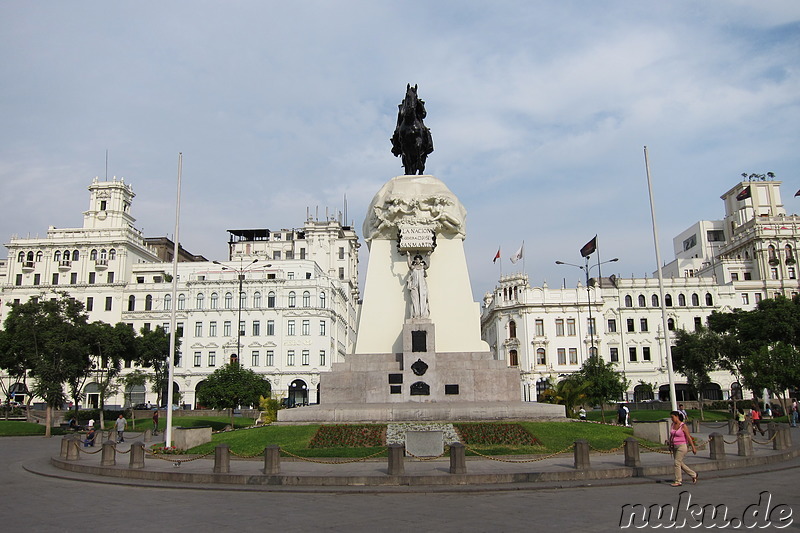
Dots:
pixel 324 474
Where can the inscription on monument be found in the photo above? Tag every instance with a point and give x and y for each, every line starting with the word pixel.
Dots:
pixel 416 238
pixel 419 341
pixel 420 388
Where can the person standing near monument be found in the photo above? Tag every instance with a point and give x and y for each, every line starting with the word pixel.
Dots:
pixel 119 425
pixel 418 286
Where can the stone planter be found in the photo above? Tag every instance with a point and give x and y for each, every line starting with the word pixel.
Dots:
pixel 186 438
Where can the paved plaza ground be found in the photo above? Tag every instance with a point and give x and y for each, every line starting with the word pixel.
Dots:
pixel 34 502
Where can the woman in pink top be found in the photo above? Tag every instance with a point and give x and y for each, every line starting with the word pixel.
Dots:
pixel 679 439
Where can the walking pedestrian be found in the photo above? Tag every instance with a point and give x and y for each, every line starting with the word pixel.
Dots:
pixel 679 441
pixel 119 425
pixel 755 416
pixel 155 422
pixel 793 414
pixel 741 419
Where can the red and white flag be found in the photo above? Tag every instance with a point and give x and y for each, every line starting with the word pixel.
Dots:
pixel 496 256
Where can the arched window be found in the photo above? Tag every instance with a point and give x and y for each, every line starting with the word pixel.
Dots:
pixel 671 324
pixel 181 302
pixel 148 302
pixel 29 257
pixel 65 256
pixel 214 300
pixel 257 300
pixel 513 359
pixel 695 299
pixel 93 255
pixel 167 302
pixel 681 300
pixel 788 252
pixel 292 299
pixel 131 303
pixel 271 299
pixel 21 257
pixel 57 256
pixel 112 254
pixel 306 299
pixel 200 300
pixel 39 256
pixel 228 300
pixel 512 330
pixel 628 301
pixel 541 357
pixel 242 299
pixel 668 300
pixel 642 301
pixel 709 299
pixel 322 300
pixel 654 299
pixel 771 252
pixel 103 255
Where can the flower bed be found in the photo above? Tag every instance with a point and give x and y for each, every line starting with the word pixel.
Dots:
pixel 349 436
pixel 485 433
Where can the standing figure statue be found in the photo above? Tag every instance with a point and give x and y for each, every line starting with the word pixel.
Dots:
pixel 417 286
pixel 411 139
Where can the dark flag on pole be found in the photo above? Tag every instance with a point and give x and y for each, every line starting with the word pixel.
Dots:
pixel 797 194
pixel 744 194
pixel 589 248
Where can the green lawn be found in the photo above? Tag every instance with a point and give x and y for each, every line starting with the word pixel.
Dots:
pixel 16 428
pixel 648 415
pixel 554 436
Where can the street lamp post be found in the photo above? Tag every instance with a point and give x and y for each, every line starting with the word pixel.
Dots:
pixel 240 274
pixel 586 268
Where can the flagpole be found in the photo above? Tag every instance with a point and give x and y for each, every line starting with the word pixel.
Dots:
pixel 173 314
pixel 665 324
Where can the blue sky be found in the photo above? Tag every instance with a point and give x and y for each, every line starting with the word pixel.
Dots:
pixel 539 113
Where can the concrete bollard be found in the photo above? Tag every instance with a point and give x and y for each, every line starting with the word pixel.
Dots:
pixel 695 426
pixel 772 429
pixel 716 446
pixel 137 455
pixel 733 427
pixel 148 435
pixel 745 443
pixel 396 457
pixel 581 454
pixel 99 438
pixel 65 445
pixel 788 438
pixel 222 459
pixel 632 452
pixel 108 457
pixel 780 439
pixel 272 460
pixel 458 458
pixel 73 448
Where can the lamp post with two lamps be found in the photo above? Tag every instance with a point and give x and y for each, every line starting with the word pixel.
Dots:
pixel 586 269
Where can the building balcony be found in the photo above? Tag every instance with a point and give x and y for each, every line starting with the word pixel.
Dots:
pixel 28 266
pixel 64 265
pixel 101 264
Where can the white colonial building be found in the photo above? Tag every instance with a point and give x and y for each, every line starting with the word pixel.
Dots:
pixel 285 302
pixel 719 265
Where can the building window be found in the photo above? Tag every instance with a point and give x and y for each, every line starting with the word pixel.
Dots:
pixel 198 329
pixel 108 303
pixel 270 359
pixel 271 300
pixel 671 324
pixel 181 302
pixel 590 326
pixel 612 325
pixel 643 324
pixel 642 301
pixel 613 354
pixel 18 280
pixel 305 358
pixel 305 327
pixel 200 300
pixel 745 298
pixel 654 300
pixel 322 358
pixel 212 358
pixel 292 299
pixel 254 358
pixel 512 330
pixel 89 303
pixel 228 300
pixel 37 279
pixel 322 300
pixel 341 252
pixel 757 297
pixel 212 329
pixel 571 327
pixel 290 328
pixel 290 275
pixel 559 327
pixel 270 327
pixel 55 278
pixel 628 301
pixel 632 354
pixel 73 278
pixel 167 302
pixel 698 323
pixel 748 276
pixel 92 276
pixel 668 300
pixel 513 358
pixel 541 356
pixel 681 300
pixel 573 356
pixel 341 272
pixel 276 255
pixel 734 276
pixel 131 303
pixel 242 332
pixel 306 299
pixel 629 323
pixel 257 300
pixel 256 328
pixel 709 299
pixel 792 274
pixel 214 300
pixel 539 327
pixel 323 326
pixel 290 358
pixel 148 302
pixel 773 273
pixel 695 300
pixel 226 328
pixel 562 356
pixel 645 353
pixel 197 356
pixel 242 299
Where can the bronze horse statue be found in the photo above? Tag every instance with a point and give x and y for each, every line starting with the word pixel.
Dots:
pixel 411 139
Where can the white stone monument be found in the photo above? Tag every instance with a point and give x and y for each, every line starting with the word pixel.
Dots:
pixel 418 354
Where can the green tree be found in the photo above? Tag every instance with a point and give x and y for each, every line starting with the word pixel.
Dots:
pixel 48 336
pixel 110 346
pixel 569 392
pixel 231 386
pixel 604 383
pixel 136 378
pixel 152 347
pixel 696 355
